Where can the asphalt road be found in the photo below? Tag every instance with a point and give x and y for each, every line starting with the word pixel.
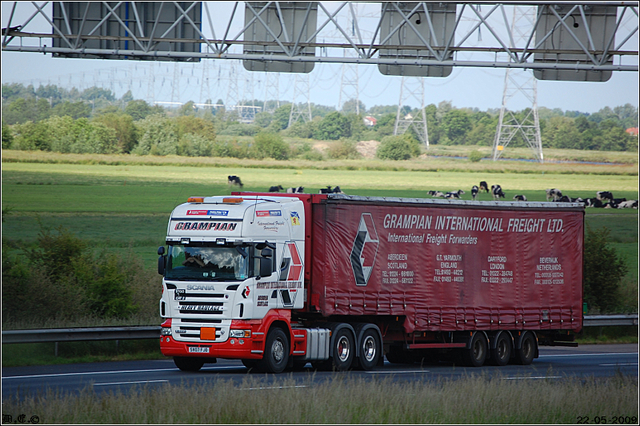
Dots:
pixel 554 363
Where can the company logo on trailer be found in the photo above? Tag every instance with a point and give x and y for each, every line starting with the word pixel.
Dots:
pixel 365 247
pixel 292 264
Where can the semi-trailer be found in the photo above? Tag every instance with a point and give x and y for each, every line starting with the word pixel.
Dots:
pixel 341 281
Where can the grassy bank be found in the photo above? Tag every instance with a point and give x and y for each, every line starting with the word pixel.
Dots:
pixel 436 160
pixel 343 399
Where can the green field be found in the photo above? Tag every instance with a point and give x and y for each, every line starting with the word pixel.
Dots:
pixel 128 204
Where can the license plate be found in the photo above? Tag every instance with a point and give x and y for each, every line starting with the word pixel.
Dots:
pixel 198 349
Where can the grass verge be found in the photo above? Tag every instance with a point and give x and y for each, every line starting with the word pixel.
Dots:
pixel 343 399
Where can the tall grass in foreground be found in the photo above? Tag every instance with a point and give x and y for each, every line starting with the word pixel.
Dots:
pixel 347 400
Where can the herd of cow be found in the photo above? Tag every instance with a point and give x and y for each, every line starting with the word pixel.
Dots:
pixel 603 199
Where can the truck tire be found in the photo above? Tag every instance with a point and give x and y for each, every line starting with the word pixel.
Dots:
pixel 344 350
pixel 370 349
pixel 276 352
pixel 527 350
pixel 187 363
pixel 502 353
pixel 476 353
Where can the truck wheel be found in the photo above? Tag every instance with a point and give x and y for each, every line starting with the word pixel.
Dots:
pixel 343 350
pixel 502 353
pixel 476 354
pixel 187 363
pixel 370 350
pixel 276 352
pixel 527 351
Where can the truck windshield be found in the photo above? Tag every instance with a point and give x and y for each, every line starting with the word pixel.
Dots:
pixel 207 263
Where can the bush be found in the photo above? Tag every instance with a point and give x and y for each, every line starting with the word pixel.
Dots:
pixel 62 278
pixel 343 150
pixel 195 146
pixel 270 145
pixel 398 148
pixel 603 271
pixel 475 156
pixel 240 129
pixel 159 136
pixel 233 149
pixel 7 136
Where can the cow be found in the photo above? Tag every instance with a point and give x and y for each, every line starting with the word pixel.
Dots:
pixel 337 190
pixel 484 187
pixel 630 204
pixel 593 202
pixel 326 190
pixel 454 194
pixel 297 190
pixel 436 194
pixel 474 191
pixel 563 199
pixel 496 191
pixel 619 200
pixel 553 194
pixel 520 197
pixel 276 188
pixel 234 180
pixel 604 196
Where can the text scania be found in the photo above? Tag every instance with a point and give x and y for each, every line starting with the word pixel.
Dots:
pixel 205 226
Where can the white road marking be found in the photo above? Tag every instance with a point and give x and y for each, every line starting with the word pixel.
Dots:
pixel 130 383
pixel 274 387
pixel 619 364
pixel 396 371
pixel 602 354
pixel 532 377
pixel 37 376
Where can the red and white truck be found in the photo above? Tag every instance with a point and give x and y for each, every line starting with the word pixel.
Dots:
pixel 280 280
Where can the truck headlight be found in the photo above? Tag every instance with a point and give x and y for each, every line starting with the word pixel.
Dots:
pixel 240 333
pixel 165 331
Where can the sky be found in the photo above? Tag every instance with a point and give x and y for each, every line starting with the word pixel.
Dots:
pixel 480 88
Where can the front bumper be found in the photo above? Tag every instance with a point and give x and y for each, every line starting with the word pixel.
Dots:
pixel 233 348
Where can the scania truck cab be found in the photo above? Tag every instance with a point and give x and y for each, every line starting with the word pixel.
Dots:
pixel 231 271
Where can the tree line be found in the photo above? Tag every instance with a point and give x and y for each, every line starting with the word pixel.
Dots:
pixel 50 118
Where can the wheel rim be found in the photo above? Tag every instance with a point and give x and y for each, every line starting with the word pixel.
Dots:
pixel 278 350
pixel 343 348
pixel 369 348
pixel 502 348
pixel 478 350
pixel 527 348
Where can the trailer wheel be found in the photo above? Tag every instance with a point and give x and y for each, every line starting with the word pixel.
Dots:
pixel 527 351
pixel 343 350
pixel 188 363
pixel 502 353
pixel 276 352
pixel 476 354
pixel 369 350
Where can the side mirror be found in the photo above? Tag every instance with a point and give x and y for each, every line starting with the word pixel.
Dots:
pixel 161 260
pixel 266 253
